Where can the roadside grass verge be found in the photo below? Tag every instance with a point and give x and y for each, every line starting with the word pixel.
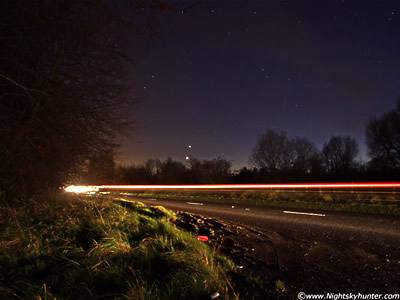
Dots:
pixel 356 201
pixel 89 247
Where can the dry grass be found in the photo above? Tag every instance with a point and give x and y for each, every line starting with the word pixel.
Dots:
pixel 95 248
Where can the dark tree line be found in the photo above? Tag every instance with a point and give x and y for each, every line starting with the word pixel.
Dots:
pixel 155 171
pixel 277 157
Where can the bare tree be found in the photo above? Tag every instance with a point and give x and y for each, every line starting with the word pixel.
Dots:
pixel 305 155
pixel 284 158
pixel 195 171
pixel 62 91
pixel 134 175
pixel 216 170
pixel 273 151
pixel 339 154
pixel 153 166
pixel 383 139
pixel 173 172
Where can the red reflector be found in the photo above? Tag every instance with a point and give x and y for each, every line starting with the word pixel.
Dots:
pixel 202 238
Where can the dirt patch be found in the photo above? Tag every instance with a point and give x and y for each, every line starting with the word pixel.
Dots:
pixel 287 264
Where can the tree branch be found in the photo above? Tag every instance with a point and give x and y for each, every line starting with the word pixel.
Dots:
pixel 21 86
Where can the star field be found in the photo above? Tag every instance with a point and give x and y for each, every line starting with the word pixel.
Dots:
pixel 220 73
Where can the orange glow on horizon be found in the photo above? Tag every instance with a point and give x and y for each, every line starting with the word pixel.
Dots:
pixel 256 186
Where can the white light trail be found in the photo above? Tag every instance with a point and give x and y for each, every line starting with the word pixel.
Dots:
pixel 80 189
pixel 303 213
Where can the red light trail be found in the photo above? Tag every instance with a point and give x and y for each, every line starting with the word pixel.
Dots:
pixel 255 186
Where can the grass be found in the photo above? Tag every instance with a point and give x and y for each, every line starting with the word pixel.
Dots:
pixel 90 247
pixel 386 202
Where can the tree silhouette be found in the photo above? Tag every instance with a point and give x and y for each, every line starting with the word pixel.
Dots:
pixel 173 172
pixel 305 158
pixel 284 158
pixel 62 91
pixel 383 140
pixel 339 155
pixel 273 151
pixel 209 171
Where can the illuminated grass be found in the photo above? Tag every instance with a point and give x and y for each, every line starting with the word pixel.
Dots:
pixel 94 248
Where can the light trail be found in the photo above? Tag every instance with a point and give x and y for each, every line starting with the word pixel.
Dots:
pixel 303 213
pixel 254 186
pixel 93 189
pixel 81 189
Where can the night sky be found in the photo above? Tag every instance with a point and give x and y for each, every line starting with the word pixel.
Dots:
pixel 220 73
